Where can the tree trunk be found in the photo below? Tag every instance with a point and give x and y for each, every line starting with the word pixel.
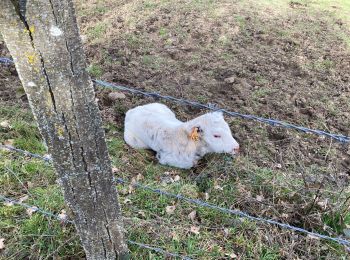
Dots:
pixel 44 41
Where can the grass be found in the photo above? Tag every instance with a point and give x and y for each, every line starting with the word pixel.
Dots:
pixel 95 70
pixel 153 61
pixel 96 32
pixel 261 92
pixel 37 236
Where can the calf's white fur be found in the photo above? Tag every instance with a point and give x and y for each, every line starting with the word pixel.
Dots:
pixel 180 144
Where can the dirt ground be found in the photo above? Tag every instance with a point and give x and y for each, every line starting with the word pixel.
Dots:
pixel 292 65
pixel 288 61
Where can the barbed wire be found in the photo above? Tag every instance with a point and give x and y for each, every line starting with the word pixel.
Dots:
pixel 5 61
pixel 32 207
pixel 159 250
pixel 11 148
pixel 234 212
pixel 198 202
pixel 57 217
pixel 272 122
pixel 269 121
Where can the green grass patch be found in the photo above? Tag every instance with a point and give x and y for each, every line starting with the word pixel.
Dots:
pixel 97 31
pixel 95 70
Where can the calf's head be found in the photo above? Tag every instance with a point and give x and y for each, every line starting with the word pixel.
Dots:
pixel 214 133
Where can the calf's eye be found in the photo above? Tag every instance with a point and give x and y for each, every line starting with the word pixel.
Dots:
pixel 217 136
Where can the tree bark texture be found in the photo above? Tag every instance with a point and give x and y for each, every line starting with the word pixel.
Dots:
pixel 44 41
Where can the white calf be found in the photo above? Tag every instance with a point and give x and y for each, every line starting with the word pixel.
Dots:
pixel 180 144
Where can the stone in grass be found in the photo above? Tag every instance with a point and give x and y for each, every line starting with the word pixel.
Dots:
pixel 116 95
pixel 230 80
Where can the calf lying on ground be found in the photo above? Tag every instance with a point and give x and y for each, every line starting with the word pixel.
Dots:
pixel 180 144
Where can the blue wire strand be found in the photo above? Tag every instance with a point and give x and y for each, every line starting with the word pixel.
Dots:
pixel 6 61
pixel 11 148
pixel 222 209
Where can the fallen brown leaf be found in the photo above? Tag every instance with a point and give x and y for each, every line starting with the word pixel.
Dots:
pixel 177 178
pixel 24 198
pixel 195 230
pixel 5 124
pixel 31 210
pixel 9 142
pixel 192 215
pixel 175 236
pixel 170 209
pixel 259 198
pixel 63 215
pixel 231 255
pixel 139 177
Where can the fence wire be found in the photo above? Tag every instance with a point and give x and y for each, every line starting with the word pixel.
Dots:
pixel 5 61
pixel 201 203
pixel 272 122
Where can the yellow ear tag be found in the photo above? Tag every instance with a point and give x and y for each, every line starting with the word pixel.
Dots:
pixel 194 134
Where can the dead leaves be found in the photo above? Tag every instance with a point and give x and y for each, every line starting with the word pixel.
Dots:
pixel 5 124
pixel 9 142
pixel 170 209
pixel 168 178
pixel 63 216
pixel 131 187
pixel 323 203
pixel 192 216
pixel 31 210
pixel 195 230
pixel 217 186
pixel 259 198
pixel 139 177
pixel 22 199
pixel 175 236
pixel 231 255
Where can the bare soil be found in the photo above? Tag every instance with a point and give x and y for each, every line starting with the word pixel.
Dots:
pixel 293 66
